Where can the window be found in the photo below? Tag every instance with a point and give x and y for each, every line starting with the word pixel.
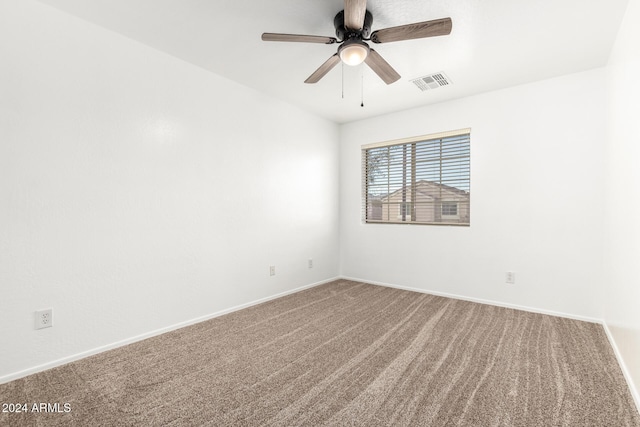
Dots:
pixel 405 210
pixel 422 180
pixel 449 209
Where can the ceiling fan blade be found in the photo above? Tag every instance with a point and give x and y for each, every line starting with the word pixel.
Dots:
pixel 381 67
pixel 277 37
pixel 419 30
pixel 354 11
pixel 324 69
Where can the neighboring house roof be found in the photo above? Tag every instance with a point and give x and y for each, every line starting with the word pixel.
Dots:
pixel 428 188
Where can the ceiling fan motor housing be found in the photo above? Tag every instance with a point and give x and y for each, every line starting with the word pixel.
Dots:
pixel 342 33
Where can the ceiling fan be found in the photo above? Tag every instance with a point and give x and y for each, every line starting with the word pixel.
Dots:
pixel 353 29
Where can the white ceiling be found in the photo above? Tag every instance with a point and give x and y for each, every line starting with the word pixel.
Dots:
pixel 493 44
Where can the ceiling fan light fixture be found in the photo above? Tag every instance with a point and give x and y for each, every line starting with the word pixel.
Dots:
pixel 353 52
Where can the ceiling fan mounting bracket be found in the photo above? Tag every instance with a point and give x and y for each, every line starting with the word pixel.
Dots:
pixel 343 33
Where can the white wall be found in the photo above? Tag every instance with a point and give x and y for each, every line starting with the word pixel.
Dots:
pixel 138 191
pixel 537 173
pixel 622 243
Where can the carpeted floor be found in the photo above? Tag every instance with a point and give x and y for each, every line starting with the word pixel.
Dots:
pixel 346 354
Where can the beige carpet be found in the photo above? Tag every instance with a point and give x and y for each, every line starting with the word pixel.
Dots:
pixel 346 354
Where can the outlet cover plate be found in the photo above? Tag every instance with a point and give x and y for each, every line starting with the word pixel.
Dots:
pixel 510 278
pixel 44 318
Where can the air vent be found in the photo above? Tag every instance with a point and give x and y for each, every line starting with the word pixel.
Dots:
pixel 432 81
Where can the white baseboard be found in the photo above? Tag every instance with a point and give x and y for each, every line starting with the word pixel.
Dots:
pixel 625 371
pixel 82 355
pixel 481 301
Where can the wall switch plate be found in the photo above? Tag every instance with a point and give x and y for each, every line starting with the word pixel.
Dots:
pixel 272 270
pixel 510 278
pixel 44 318
pixel 310 263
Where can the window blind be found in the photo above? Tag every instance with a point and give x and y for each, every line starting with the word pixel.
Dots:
pixel 422 180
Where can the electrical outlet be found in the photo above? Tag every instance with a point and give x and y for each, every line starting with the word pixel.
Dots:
pixel 510 278
pixel 272 270
pixel 44 318
pixel 310 263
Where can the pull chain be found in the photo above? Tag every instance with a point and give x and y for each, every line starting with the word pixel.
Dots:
pixel 362 86
pixel 342 79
